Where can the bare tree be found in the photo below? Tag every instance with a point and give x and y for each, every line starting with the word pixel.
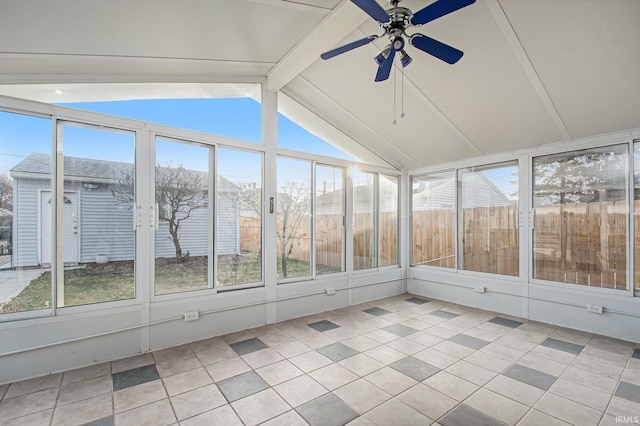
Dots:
pixel 293 206
pixel 178 193
pixel 6 193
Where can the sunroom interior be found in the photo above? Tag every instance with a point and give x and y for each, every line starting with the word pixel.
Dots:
pixel 506 182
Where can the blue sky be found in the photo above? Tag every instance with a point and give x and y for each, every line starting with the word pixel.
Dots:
pixel 238 118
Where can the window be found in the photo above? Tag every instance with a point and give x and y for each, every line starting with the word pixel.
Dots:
pixel 329 220
pixel 365 232
pixel 294 218
pixel 98 231
pixel 239 217
pixel 487 212
pixel 26 245
pixel 636 211
pixel 433 220
pixel 388 220
pixel 375 220
pixel 183 237
pixel 580 200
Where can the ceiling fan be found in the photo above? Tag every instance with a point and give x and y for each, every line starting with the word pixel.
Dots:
pixel 394 22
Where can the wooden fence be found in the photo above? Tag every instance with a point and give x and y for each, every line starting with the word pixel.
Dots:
pixel 582 243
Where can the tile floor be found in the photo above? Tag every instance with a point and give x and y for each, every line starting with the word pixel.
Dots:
pixel 398 361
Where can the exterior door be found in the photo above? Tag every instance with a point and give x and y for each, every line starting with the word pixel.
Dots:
pixel 70 242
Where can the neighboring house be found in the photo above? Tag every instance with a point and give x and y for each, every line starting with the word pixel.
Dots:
pixel 478 191
pixel 95 222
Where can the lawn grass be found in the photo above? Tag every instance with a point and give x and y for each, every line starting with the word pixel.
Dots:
pixel 95 284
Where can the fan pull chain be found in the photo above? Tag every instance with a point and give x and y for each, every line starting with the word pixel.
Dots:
pixel 402 94
pixel 395 72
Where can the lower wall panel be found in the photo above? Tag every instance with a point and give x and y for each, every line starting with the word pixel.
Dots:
pixel 219 314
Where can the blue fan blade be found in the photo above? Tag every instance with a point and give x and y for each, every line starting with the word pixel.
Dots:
pixel 347 47
pixel 438 49
pixel 385 69
pixel 438 9
pixel 373 9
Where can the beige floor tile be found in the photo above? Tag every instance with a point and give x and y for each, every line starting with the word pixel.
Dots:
pixel 632 376
pixel 567 410
pixel 86 373
pixel 612 345
pixel 177 365
pixel 609 420
pixel 318 340
pixel 197 401
pixel 33 385
pixel 229 368
pixel 300 390
pixel 262 357
pixel 391 381
pixel 394 412
pixel 381 336
pixel 453 349
pixel 407 346
pixel 333 376
pixel 385 354
pixel 187 381
pixel 130 363
pixel 136 396
pixel 589 379
pixel 310 361
pixel 542 364
pixel 291 349
pixel 276 337
pixel 487 361
pixel 579 393
pixel 553 355
pixel 158 413
pixel 514 389
pixel 290 418
pixel 279 372
pixel 623 407
pixel 441 332
pixel 361 395
pixel 572 336
pixel 361 364
pixel 436 358
pixel 238 336
pixel 427 401
pixel 503 352
pixel 450 385
pixel 480 333
pixel 599 366
pixel 340 334
pixel 471 372
pixel 41 418
pixel 361 343
pixel 538 418
pixel 85 389
pixel 221 416
pixel 260 407
pixel 84 411
pixel 28 404
pixel 416 323
pixel 173 353
pixel 497 406
pixel 206 344
pixel 216 354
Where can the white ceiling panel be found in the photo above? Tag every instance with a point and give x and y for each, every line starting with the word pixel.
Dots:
pixel 587 54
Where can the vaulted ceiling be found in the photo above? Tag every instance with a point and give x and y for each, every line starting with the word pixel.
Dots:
pixel 533 72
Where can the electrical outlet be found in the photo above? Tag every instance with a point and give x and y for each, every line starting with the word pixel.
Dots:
pixel 480 289
pixel 595 309
pixel 331 290
pixel 191 316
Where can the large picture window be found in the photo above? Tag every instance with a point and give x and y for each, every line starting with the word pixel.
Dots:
pixel 581 208
pixel 433 220
pixel 636 212
pixel 487 212
pixel 388 220
pixel 329 220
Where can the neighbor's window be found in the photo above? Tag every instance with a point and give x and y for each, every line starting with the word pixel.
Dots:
pixel 433 220
pixel 183 189
pixel 294 218
pixel 365 247
pixel 97 227
pixel 329 220
pixel 26 247
pixel 239 217
pixel 580 231
pixel 488 215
